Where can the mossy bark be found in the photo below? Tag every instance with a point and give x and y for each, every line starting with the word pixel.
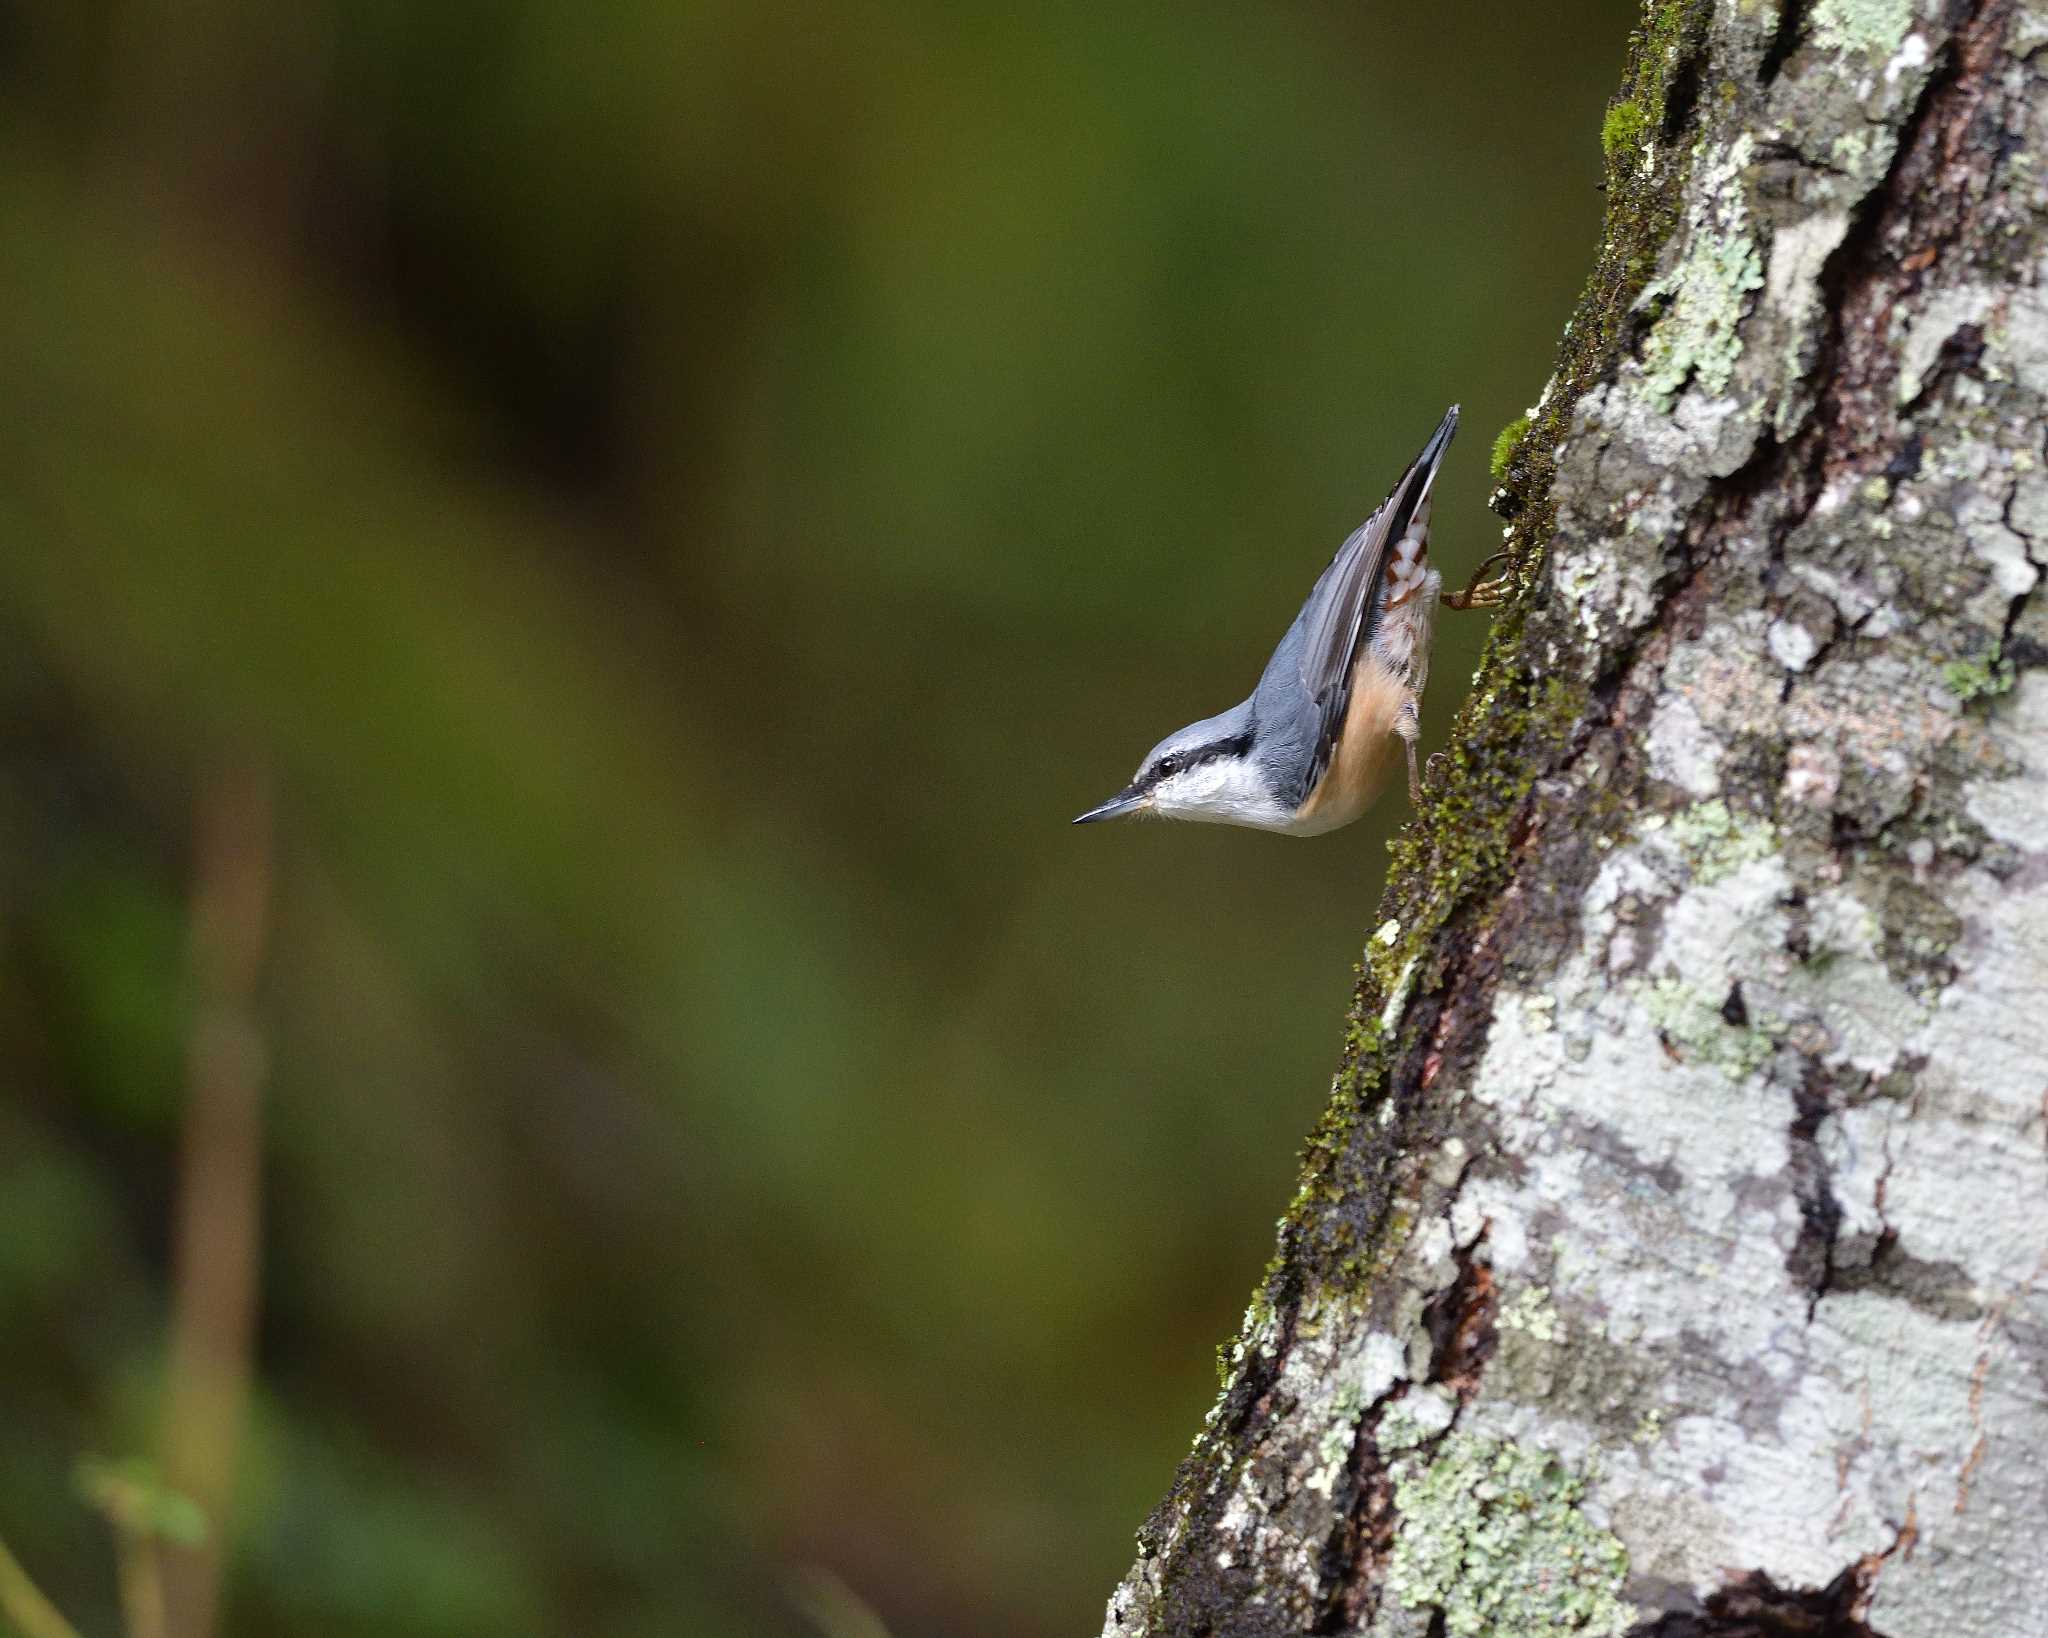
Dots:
pixel 1673 1255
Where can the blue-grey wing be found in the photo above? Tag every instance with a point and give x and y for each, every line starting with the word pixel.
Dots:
pixel 1310 673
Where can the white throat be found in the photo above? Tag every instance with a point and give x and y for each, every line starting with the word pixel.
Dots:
pixel 1226 790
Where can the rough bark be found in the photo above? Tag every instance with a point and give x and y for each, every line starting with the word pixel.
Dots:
pixel 1671 1257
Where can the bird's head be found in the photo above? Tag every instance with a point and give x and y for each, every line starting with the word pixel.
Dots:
pixel 1207 770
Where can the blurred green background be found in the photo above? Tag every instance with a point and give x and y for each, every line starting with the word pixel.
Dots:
pixel 681 503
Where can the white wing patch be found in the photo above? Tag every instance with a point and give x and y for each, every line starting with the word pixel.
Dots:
pixel 1410 560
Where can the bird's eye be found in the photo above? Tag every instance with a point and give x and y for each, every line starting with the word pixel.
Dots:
pixel 1166 765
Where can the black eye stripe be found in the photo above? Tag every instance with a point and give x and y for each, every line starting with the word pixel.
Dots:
pixel 1180 761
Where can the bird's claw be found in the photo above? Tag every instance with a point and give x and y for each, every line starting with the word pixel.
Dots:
pixel 1431 777
pixel 1481 593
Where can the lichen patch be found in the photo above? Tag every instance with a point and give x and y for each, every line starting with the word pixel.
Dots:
pixel 1494 1535
pixel 1695 340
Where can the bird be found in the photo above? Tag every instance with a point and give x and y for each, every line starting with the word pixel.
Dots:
pixel 1312 745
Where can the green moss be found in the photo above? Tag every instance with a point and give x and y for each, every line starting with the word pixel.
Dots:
pixel 1230 1357
pixel 1979 678
pixel 1492 1535
pixel 1622 130
pixel 1504 443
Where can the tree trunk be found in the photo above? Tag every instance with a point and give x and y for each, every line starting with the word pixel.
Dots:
pixel 1671 1257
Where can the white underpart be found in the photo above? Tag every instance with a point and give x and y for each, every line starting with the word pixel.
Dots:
pixel 1227 789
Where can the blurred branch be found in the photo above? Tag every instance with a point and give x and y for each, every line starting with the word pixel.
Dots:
pixel 142 1584
pixel 219 1209
pixel 24 1606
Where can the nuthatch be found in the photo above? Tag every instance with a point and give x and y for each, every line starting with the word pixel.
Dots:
pixel 1309 750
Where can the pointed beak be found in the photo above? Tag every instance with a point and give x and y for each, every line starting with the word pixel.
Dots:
pixel 1115 808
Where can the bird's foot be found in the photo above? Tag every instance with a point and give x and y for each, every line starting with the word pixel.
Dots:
pixel 1481 593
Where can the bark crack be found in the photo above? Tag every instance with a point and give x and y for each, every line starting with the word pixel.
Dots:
pixel 1755 1606
pixel 1811 1261
pixel 1459 1320
pixel 1785 39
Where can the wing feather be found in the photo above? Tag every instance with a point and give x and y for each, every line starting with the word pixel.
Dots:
pixel 1339 615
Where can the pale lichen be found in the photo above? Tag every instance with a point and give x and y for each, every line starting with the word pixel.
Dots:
pixel 1492 1535
pixel 1718 842
pixel 1414 1421
pixel 1874 26
pixel 1698 1029
pixel 1695 339
pixel 1333 1450
pixel 1846 152
pixel 1532 1313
